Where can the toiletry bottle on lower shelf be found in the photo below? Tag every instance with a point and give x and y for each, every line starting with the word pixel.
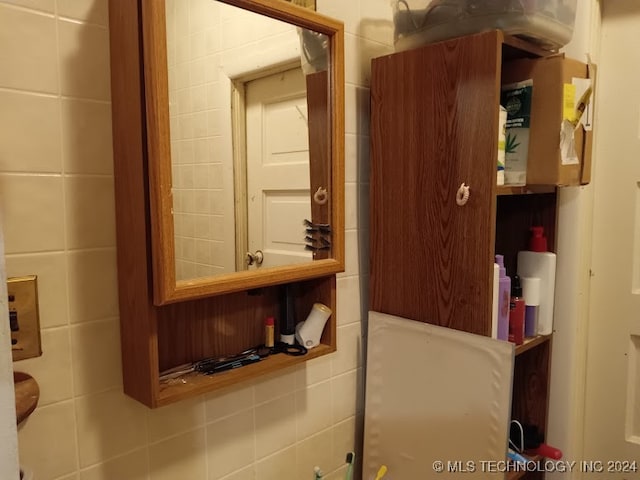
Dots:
pixel 269 325
pixel 516 312
pixel 538 262
pixel 504 295
pixel 531 294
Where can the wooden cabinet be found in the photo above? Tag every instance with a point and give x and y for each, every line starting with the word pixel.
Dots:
pixel 217 316
pixel 434 114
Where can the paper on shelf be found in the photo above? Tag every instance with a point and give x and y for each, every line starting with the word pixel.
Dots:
pixel 581 85
pixel 568 152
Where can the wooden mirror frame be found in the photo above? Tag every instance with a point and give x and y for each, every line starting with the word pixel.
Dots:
pixel 166 288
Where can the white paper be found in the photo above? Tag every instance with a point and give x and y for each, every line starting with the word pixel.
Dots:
pixel 581 85
pixel 568 153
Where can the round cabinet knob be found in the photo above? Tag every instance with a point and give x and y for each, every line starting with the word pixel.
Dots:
pixel 321 196
pixel 462 196
pixel 256 258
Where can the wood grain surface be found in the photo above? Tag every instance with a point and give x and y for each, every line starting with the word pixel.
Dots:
pixel 319 125
pixel 531 386
pixel 27 393
pixel 434 126
pixel 137 315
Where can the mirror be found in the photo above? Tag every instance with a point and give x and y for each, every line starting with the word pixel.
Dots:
pixel 245 139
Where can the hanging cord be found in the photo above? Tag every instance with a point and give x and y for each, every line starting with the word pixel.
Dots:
pixel 511 443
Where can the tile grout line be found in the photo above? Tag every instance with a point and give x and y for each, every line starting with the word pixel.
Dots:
pixel 59 95
pixel 101 462
pixel 79 21
pixel 60 251
pixel 65 240
pixel 56 174
pixel 20 8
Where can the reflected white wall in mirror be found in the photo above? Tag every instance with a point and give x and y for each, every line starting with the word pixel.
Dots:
pixel 217 54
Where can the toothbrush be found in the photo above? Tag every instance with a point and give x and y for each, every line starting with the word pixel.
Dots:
pixel 351 459
pixel 381 472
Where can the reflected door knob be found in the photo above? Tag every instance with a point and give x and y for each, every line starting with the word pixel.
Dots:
pixel 256 258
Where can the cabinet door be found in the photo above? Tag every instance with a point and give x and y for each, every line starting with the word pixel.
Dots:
pixel 420 416
pixel 434 126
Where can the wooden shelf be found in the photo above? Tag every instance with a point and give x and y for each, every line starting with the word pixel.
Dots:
pixel 516 475
pixel 524 189
pixel 426 253
pixel 532 342
pixel 27 394
pixel 196 384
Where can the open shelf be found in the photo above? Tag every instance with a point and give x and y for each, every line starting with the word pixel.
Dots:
pixel 524 189
pixel 532 342
pixel 196 383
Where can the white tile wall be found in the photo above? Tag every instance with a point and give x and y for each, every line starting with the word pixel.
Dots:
pixel 24 117
pixel 47 440
pixel 89 211
pixel 231 443
pixel 175 419
pixel 109 424
pixel 275 425
pixel 86 136
pixel 53 371
pixel 179 457
pixel 196 121
pixel 29 57
pixel 132 466
pixel 84 60
pixel 32 205
pixel 56 194
pixel 99 339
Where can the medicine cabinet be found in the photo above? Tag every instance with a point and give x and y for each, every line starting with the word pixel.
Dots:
pixel 215 104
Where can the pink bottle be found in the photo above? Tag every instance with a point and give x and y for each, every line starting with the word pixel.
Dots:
pixel 504 298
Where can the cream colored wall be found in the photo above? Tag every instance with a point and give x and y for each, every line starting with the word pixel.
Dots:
pixel 56 191
pixel 565 426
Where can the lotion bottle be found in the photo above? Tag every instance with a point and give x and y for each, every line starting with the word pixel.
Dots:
pixel 504 296
pixel 538 262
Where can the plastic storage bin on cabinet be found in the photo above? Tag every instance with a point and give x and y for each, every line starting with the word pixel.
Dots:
pixel 548 23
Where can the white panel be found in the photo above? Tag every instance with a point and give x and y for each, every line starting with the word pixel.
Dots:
pixel 632 430
pixel 284 229
pixel 434 394
pixel 292 138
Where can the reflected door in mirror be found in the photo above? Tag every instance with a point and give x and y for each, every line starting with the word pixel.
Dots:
pixel 278 198
pixel 241 175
